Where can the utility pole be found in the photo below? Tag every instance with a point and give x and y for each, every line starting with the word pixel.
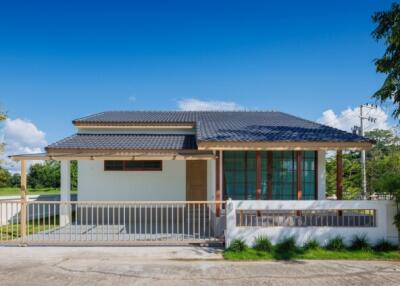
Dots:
pixel 363 168
pixel 360 131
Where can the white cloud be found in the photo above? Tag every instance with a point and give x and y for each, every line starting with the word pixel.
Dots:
pixel 350 117
pixel 192 104
pixel 21 137
pixel 132 98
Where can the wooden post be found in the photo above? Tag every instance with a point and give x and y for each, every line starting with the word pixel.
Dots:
pixel 23 200
pixel 299 165
pixel 218 184
pixel 258 175
pixel 339 175
pixel 269 174
pixel 316 175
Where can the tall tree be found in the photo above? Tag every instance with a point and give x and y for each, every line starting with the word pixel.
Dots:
pixel 388 30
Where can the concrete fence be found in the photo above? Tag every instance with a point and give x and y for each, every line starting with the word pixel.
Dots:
pixel 305 220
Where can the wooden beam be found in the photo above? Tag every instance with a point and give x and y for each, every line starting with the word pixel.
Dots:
pixel 339 175
pixel 316 175
pixel 24 192
pixel 218 183
pixel 283 145
pixel 128 156
pixel 269 174
pixel 258 175
pixel 299 164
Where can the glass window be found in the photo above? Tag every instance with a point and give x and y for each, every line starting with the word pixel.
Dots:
pixel 284 176
pixel 132 165
pixel 308 175
pixel 264 175
pixel 239 175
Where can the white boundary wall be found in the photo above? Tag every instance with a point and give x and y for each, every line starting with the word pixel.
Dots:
pixel 385 211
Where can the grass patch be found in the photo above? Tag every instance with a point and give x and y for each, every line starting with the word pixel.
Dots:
pixel 313 254
pixel 248 254
pixel 286 249
pixel 43 191
pixel 13 231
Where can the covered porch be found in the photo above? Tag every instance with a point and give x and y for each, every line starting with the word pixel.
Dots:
pixel 185 213
pixel 182 198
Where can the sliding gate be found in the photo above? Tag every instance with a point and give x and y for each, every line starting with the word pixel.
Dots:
pixel 101 222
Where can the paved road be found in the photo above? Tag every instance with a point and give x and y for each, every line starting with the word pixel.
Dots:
pixel 177 266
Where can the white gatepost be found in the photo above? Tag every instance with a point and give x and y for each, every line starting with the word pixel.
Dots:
pixel 65 195
pixel 230 222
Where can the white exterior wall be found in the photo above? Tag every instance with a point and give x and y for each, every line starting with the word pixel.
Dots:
pixel 385 211
pixel 211 180
pixel 96 184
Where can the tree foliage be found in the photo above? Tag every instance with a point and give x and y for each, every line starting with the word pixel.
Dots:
pixel 388 30
pixel 383 167
pixel 40 175
pixel 47 175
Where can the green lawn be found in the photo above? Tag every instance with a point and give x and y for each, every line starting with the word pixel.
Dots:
pixel 319 253
pixel 12 231
pixel 16 191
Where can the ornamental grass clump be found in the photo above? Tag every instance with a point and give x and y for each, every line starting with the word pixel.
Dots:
pixel 311 244
pixel 336 243
pixel 238 245
pixel 384 245
pixel 360 242
pixel 263 243
pixel 286 248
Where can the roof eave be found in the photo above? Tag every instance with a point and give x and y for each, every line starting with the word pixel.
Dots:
pixel 284 145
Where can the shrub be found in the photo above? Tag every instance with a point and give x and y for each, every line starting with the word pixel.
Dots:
pixel 262 243
pixel 311 244
pixel 397 220
pixel 238 245
pixel 360 242
pixel 336 243
pixel 286 248
pixel 384 245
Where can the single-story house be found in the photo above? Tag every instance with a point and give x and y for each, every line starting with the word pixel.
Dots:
pixel 204 157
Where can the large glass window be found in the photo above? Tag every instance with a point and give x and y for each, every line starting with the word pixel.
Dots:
pixel 240 175
pixel 278 172
pixel 284 176
pixel 308 175
pixel 264 175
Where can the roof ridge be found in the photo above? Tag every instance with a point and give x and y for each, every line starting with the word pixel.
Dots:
pixel 88 116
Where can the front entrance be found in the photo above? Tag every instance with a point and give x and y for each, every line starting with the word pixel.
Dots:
pixel 196 180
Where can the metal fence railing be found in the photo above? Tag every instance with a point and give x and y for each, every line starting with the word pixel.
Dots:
pixel 103 221
pixel 306 218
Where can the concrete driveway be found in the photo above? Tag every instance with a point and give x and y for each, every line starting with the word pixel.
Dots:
pixel 177 266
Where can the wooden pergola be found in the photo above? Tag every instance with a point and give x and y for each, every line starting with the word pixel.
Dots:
pixel 205 154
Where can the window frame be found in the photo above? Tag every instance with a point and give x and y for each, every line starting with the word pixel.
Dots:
pixel 130 169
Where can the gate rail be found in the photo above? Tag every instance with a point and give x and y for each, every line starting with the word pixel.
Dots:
pixel 30 222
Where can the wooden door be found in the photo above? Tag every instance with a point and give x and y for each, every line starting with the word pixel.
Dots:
pixel 196 180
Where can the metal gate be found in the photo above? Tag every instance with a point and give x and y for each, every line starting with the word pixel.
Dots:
pixel 106 222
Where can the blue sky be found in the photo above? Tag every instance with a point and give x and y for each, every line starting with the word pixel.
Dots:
pixel 60 60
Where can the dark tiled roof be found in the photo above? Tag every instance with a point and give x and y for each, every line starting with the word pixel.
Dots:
pixel 232 125
pixel 126 142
